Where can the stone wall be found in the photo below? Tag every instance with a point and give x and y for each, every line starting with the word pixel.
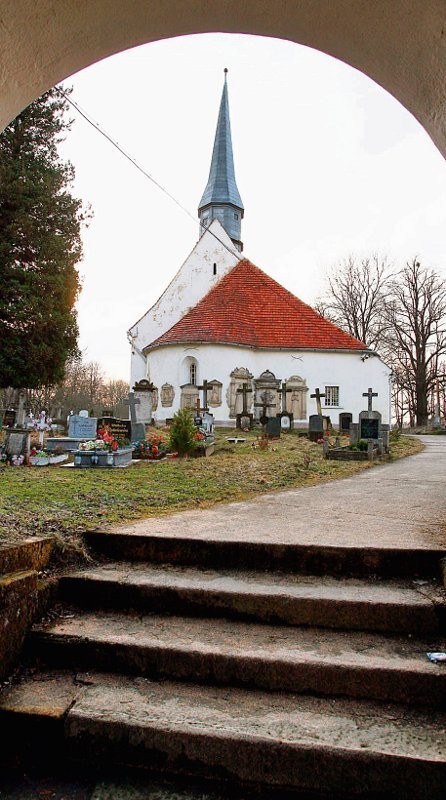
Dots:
pixel 22 595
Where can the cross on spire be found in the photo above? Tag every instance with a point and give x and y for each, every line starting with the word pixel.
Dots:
pixel 370 394
pixel 317 394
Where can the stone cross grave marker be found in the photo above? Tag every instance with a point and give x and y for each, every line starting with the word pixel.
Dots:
pixel 283 391
pixel 244 391
pixel 138 428
pixel 244 419
pixel 370 394
pixel 370 420
pixel 317 394
pixel 205 388
pixel 264 405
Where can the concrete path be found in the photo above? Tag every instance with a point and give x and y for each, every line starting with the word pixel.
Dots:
pixel 401 504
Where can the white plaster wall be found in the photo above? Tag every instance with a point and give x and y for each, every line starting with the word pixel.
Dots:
pixel 192 282
pixel 319 369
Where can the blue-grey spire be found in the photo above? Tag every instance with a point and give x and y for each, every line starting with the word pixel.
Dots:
pixel 221 199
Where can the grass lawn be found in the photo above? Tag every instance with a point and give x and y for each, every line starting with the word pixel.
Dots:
pixel 67 501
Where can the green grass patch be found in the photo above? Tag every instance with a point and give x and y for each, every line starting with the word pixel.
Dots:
pixel 68 501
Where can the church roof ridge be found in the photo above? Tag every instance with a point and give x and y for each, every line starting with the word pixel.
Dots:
pixel 248 307
pixel 221 186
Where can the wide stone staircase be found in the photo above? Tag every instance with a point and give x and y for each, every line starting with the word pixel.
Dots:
pixel 229 668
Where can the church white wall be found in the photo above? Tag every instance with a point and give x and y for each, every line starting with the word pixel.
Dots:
pixel 191 283
pixel 319 369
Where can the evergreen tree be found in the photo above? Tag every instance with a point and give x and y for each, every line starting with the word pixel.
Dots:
pixel 40 246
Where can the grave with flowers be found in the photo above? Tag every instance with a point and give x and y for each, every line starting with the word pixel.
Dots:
pixel 152 449
pixel 103 451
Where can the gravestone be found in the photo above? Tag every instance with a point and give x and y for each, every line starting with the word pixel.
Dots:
pixel 285 421
pixel 315 427
pixel 121 429
pixel 207 422
pixel 82 427
pixel 137 429
pixel 266 395
pixel 9 418
pixel 143 399
pixel 369 426
pixel 370 421
pixel 17 442
pixel 83 413
pixel 273 427
pixel 345 420
pixel 244 419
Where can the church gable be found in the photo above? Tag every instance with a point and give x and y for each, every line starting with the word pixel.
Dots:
pixel 210 260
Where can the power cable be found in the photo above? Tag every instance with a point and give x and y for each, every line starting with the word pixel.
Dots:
pixel 133 161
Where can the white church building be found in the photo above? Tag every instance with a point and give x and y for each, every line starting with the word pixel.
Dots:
pixel 226 334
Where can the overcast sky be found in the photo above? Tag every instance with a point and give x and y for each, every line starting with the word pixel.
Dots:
pixel 327 164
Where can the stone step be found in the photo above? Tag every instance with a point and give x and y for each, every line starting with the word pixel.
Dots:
pixel 289 599
pixel 272 740
pixel 220 651
pixel 313 559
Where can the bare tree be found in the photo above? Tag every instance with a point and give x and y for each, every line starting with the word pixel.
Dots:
pixel 114 392
pixel 354 298
pixel 415 316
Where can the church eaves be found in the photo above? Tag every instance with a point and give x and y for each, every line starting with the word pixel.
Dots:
pixel 249 308
pixel 221 199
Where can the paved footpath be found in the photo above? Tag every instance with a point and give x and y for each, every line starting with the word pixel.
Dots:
pixel 399 504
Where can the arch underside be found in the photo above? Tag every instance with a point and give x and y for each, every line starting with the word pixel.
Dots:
pixel 400 45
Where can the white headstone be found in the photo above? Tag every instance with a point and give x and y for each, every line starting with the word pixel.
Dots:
pixel 285 423
pixel 83 413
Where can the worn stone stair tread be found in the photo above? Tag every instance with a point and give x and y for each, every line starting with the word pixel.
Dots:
pixel 299 599
pixel 225 544
pixel 225 651
pixel 254 736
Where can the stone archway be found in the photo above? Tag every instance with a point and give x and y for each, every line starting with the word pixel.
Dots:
pixel 399 45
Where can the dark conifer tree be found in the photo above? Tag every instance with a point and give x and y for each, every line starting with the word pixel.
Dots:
pixel 40 246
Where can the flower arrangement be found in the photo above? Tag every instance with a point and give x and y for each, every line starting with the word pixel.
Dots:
pixel 38 457
pixel 99 444
pixel 152 448
pixel 104 441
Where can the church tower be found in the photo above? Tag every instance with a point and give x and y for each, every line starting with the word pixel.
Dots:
pixel 221 199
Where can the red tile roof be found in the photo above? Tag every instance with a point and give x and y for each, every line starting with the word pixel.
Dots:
pixel 247 307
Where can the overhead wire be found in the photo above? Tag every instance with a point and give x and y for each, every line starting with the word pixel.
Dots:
pixel 134 163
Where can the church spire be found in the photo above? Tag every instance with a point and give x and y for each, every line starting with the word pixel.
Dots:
pixel 221 199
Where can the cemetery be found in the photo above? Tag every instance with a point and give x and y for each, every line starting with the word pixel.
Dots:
pixel 109 442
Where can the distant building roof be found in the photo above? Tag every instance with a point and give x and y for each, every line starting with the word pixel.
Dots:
pixel 249 308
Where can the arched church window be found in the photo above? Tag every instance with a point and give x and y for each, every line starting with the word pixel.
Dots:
pixel 193 373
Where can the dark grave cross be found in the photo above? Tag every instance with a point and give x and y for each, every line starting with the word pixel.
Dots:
pixel 205 388
pixel 317 394
pixel 197 407
pixel 137 428
pixel 283 391
pixel 370 394
pixel 133 402
pixel 244 391
pixel 264 405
